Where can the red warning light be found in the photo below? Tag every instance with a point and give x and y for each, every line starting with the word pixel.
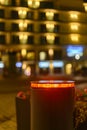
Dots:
pixel 52 84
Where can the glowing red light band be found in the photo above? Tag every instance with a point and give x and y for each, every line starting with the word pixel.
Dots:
pixel 52 85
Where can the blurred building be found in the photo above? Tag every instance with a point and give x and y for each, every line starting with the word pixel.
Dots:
pixel 42 36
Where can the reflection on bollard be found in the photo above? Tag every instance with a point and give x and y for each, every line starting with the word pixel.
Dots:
pixel 23 111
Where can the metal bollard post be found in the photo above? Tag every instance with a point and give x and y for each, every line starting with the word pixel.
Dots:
pixel 23 111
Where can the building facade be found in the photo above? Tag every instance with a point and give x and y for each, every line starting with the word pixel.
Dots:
pixel 42 37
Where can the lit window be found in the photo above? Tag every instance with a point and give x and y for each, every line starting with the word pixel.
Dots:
pixel 44 64
pixel 50 39
pixel 73 15
pixel 24 66
pixel 2 1
pixel 33 3
pixel 73 50
pixel 23 38
pixel 22 26
pixel 51 52
pixel 74 27
pixel 85 6
pixel 74 38
pixel 49 15
pixel 5 2
pixel 50 27
pixel 42 55
pixel 22 14
pixel 69 68
pixel 23 52
pixel 31 55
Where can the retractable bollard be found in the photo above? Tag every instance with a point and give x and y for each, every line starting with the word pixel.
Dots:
pixel 52 105
pixel 23 111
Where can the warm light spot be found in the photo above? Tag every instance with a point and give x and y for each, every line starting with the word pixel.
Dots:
pixel 23 38
pixel 50 27
pixel 75 37
pixel 33 3
pixel 30 55
pixel 73 15
pixel 42 55
pixel 68 68
pixel 85 6
pixel 27 71
pixel 50 39
pixel 5 2
pixel 22 26
pixel 51 52
pixel 22 13
pixel 23 52
pixel 49 15
pixel 24 66
pixel 74 27
pixel 52 84
pixel 77 56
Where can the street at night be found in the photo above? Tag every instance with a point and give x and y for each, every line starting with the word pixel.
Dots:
pixel 7 111
pixel 43 40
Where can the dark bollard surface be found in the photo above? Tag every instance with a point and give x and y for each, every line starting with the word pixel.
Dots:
pixel 23 111
pixel 52 107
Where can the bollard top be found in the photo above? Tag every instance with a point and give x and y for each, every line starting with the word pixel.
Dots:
pixel 52 84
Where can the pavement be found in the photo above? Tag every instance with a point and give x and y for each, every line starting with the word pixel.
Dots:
pixel 9 88
pixel 8 111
